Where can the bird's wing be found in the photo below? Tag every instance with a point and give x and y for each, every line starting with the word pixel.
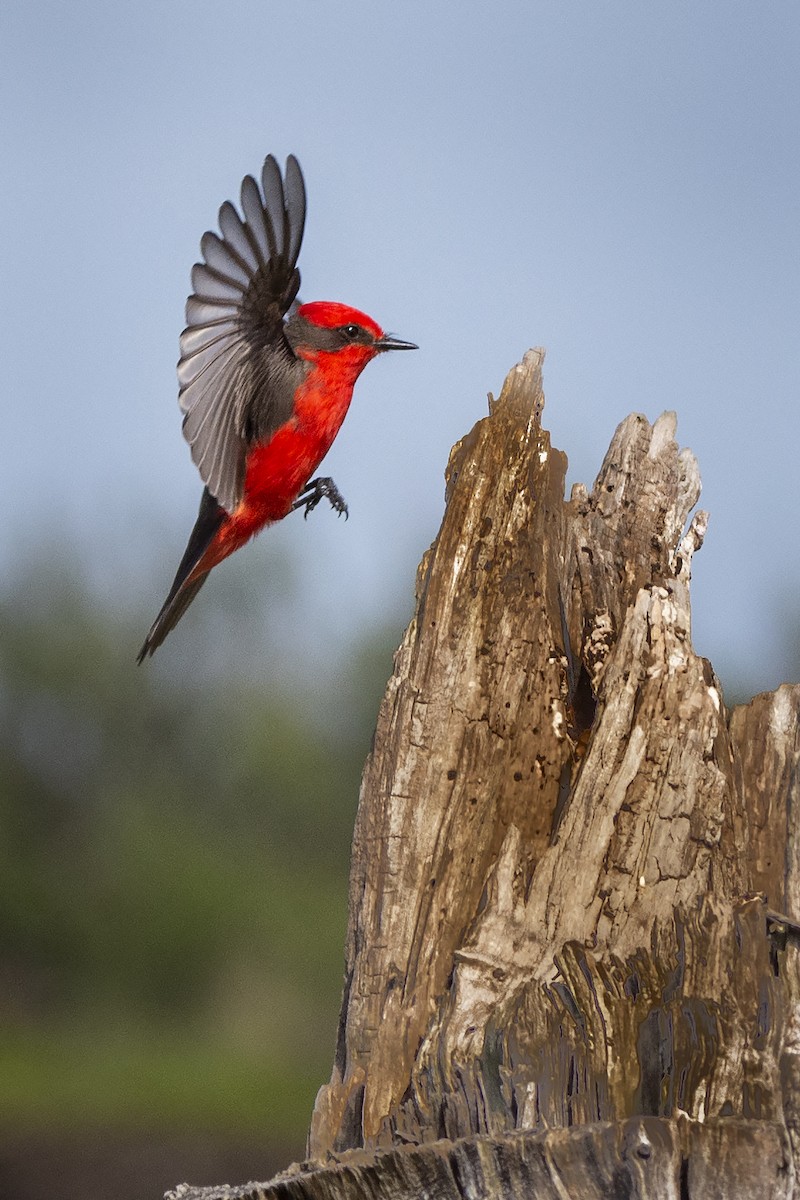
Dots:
pixel 234 324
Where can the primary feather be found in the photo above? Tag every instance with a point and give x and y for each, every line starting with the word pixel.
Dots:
pixel 235 362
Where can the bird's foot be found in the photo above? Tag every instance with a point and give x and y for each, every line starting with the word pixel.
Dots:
pixel 319 489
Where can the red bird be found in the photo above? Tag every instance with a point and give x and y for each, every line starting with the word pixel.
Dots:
pixel 263 394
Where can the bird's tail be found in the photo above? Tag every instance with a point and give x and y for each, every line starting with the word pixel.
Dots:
pixel 184 588
pixel 172 611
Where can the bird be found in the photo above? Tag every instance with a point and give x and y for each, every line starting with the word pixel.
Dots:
pixel 264 380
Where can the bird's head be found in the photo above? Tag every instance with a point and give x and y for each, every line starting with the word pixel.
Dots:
pixel 322 328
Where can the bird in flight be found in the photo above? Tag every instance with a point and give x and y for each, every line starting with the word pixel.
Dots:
pixel 265 383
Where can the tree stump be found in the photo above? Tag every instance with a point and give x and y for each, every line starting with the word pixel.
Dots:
pixel 567 970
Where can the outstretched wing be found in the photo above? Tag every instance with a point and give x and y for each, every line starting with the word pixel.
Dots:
pixel 234 326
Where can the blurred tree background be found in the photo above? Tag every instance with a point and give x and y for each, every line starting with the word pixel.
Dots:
pixel 173 881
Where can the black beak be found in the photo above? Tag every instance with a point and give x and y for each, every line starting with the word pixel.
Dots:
pixel 387 342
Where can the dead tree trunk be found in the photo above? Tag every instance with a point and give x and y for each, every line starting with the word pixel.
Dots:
pixel 565 975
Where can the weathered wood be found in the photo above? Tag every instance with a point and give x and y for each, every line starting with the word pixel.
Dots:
pixel 640 1158
pixel 766 737
pixel 565 858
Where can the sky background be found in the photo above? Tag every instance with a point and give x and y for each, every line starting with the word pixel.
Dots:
pixel 616 182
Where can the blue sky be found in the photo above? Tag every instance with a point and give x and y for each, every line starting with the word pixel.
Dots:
pixel 617 182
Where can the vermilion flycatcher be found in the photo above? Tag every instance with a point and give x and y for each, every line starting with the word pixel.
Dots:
pixel 263 394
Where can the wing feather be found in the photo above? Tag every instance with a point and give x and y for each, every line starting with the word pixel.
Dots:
pixel 295 206
pixel 233 353
pixel 274 206
pixel 206 312
pixel 223 259
pixel 210 286
pixel 200 361
pixel 235 235
pixel 214 451
pixel 200 336
pixel 253 209
pixel 199 393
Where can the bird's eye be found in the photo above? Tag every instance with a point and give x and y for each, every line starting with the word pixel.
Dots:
pixel 351 332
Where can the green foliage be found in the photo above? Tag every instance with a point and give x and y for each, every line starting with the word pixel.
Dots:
pixel 140 1079
pixel 173 873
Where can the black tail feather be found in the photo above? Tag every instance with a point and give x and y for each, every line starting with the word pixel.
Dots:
pixel 169 616
pixel 209 519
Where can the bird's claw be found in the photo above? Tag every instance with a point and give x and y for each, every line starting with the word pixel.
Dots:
pixel 318 489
